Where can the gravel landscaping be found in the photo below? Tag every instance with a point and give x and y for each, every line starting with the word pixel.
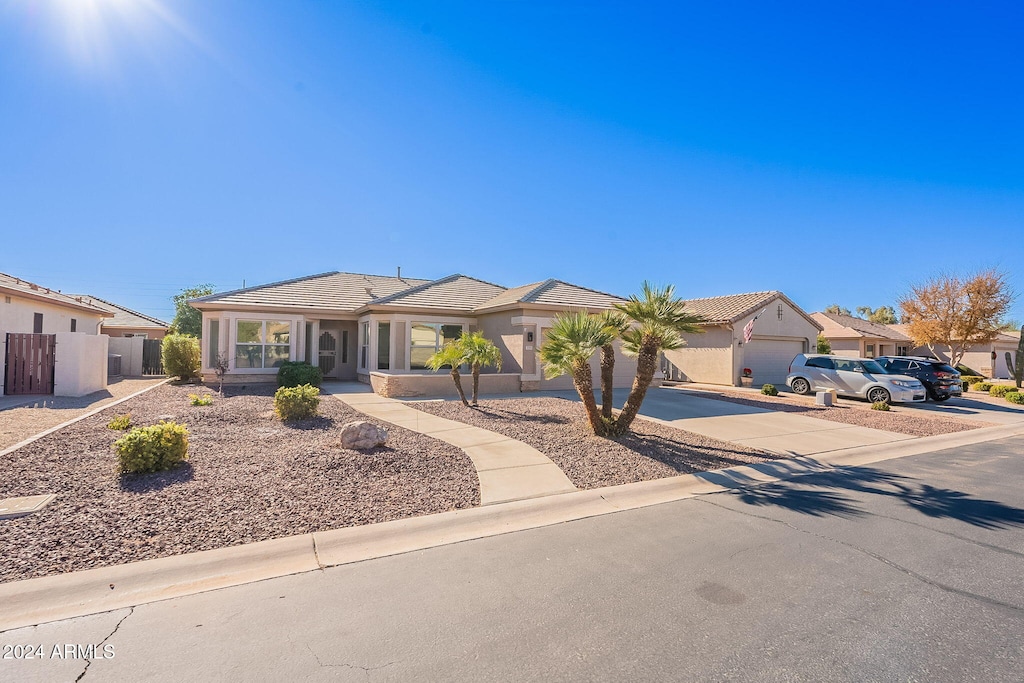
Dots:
pixel 890 421
pixel 556 427
pixel 249 478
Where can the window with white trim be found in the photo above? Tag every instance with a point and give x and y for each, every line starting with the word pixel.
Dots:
pixel 426 339
pixel 262 343
pixel 364 344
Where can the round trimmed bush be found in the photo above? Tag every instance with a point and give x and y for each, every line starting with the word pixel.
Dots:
pixel 880 405
pixel 1000 390
pixel 295 374
pixel 981 386
pixel 152 449
pixel 296 403
pixel 1015 397
pixel 769 390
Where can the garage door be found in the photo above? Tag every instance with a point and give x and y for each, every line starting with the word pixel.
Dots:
pixel 769 359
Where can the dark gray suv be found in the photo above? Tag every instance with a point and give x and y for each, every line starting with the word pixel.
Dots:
pixel 940 379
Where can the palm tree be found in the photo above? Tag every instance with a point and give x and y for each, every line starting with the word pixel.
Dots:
pixel 452 355
pixel 617 324
pixel 573 339
pixel 660 319
pixel 479 352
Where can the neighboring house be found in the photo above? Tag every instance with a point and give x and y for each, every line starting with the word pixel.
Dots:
pixel 126 322
pixel 51 341
pixel 381 329
pixel 719 355
pixel 988 359
pixel 858 338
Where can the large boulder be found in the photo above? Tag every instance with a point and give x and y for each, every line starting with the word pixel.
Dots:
pixel 362 436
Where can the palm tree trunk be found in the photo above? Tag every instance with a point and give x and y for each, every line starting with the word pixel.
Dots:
pixel 646 364
pixel 584 383
pixel 458 386
pixel 476 382
pixel 607 380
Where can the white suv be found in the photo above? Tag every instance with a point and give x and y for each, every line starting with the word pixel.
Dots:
pixel 861 377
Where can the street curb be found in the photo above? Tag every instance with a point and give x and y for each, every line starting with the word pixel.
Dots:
pixel 62 425
pixel 92 591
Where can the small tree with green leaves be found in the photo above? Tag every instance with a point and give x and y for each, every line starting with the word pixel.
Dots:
pixel 181 356
pixel 452 355
pixel 188 320
pixel 480 352
pixel 824 345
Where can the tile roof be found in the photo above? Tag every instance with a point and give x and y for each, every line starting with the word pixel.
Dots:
pixel 17 286
pixel 553 293
pixel 1005 336
pixel 452 293
pixel 335 291
pixel 847 326
pixel 123 317
pixel 729 308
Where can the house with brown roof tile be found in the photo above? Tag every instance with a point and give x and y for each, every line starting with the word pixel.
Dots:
pixel 721 354
pixel 125 322
pixel 381 330
pixel 988 359
pixel 858 338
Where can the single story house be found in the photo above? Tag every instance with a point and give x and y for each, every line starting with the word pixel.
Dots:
pixel 859 338
pixel 381 329
pixel 51 342
pixel 126 322
pixel 988 359
pixel 719 355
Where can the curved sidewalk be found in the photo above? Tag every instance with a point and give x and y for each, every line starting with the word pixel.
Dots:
pixel 508 469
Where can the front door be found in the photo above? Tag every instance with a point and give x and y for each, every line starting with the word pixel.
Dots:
pixel 328 358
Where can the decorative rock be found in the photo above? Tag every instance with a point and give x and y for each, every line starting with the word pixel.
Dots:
pixel 362 436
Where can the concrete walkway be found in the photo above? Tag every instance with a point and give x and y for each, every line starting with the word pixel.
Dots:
pixel 508 469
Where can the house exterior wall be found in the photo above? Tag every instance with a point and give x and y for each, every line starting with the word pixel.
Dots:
pixel 851 348
pixel 150 332
pixel 978 357
pixel 80 366
pixel 707 358
pixel 18 316
pixel 507 337
pixel 130 350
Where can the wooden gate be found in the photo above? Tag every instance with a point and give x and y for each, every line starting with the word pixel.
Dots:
pixel 152 357
pixel 28 366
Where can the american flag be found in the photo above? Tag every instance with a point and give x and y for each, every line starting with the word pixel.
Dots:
pixel 748 329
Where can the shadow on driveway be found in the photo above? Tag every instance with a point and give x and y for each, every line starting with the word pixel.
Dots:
pixel 819 495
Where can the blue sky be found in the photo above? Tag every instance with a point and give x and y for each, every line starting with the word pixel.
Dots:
pixel 836 151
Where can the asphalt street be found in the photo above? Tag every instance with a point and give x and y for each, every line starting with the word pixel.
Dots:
pixel 910 570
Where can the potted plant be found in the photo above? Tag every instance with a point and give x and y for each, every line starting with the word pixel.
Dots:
pixel 747 380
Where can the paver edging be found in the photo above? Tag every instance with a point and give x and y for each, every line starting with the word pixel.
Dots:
pixel 103 589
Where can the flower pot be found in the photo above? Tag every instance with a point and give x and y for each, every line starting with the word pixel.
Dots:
pixel 746 381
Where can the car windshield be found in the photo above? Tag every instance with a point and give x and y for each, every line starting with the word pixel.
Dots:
pixel 874 366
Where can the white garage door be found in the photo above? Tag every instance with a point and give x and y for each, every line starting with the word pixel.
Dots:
pixel 769 359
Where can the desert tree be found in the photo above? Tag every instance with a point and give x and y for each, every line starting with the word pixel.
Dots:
pixel 188 320
pixel 573 338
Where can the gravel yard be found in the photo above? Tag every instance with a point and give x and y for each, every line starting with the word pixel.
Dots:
pixel 556 427
pixel 46 412
pixel 893 420
pixel 249 478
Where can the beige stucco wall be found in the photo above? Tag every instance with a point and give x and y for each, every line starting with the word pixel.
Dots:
pixel 130 350
pixel 80 366
pixel 18 316
pixel 499 329
pixel 441 384
pixel 978 358
pixel 707 357
pixel 850 348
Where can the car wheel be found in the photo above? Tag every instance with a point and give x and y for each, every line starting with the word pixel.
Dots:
pixel 801 386
pixel 879 395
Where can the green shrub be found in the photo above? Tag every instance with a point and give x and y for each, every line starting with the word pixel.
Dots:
pixel 971 379
pixel 1015 397
pixel 1000 390
pixel 769 390
pixel 120 423
pixel 879 405
pixel 152 449
pixel 203 400
pixel 181 356
pixel 296 403
pixel 981 386
pixel 298 373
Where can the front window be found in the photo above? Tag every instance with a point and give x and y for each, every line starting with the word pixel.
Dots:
pixel 383 346
pixel 901 350
pixel 364 347
pixel 262 343
pixel 213 348
pixel 427 339
pixel 869 350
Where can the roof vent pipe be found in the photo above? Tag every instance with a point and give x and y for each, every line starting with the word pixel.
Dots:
pixel 399 272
